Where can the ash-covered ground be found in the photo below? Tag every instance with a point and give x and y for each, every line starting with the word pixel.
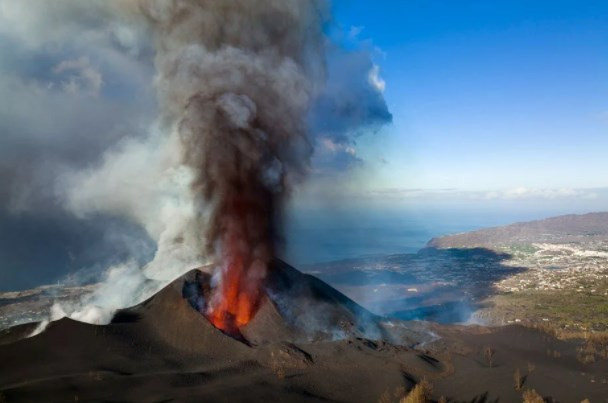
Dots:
pixel 307 342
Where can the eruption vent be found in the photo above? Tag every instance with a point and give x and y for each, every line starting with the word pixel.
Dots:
pixel 236 79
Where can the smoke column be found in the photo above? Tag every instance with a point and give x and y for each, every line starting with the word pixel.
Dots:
pixel 246 89
pixel 236 80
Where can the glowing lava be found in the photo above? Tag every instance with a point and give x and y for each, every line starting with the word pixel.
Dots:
pixel 237 293
pixel 234 302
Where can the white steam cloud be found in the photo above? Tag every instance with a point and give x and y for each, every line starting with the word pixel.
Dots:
pixel 244 94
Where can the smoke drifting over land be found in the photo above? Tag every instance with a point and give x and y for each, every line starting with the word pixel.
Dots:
pixel 246 92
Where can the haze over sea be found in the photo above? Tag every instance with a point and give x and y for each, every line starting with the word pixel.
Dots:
pixel 322 235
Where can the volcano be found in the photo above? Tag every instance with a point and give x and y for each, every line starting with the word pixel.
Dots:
pixel 307 342
pixel 294 307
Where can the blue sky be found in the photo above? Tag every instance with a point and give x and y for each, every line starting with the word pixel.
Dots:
pixel 497 95
pixel 504 99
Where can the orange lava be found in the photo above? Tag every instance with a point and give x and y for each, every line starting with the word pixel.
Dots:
pixel 236 298
pixel 234 302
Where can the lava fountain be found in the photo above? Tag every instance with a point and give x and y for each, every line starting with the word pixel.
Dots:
pixel 242 182
pixel 236 80
pixel 244 256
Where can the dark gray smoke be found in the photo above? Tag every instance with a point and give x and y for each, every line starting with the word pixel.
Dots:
pixel 248 92
pixel 238 79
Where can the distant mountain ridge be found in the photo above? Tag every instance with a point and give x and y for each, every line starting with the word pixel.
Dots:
pixel 562 229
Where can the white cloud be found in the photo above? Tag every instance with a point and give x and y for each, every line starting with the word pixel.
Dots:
pixel 144 181
pixel 520 193
pixel 410 193
pixel 539 193
pixel 375 80
pixel 55 59
pixel 329 145
pixel 38 23
pixel 81 76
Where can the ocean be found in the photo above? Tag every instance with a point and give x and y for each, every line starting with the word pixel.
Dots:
pixel 329 235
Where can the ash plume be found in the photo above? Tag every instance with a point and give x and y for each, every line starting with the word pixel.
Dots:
pixel 237 80
pixel 246 95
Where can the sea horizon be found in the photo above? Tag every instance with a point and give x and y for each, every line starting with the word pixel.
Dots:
pixel 321 236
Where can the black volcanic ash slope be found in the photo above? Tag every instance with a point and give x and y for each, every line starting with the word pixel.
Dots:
pixel 304 344
pixel 307 342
